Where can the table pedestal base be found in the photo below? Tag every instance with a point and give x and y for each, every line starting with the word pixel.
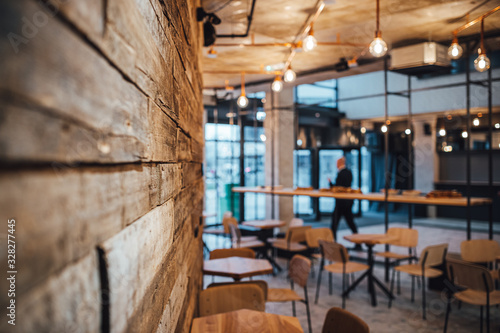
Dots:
pixel 372 280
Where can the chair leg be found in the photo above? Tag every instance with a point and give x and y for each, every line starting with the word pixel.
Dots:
pixel 318 285
pixel 448 308
pixel 481 319
pixel 330 285
pixel 488 318
pixel 399 283
pixel 293 309
pixel 343 289
pixel 392 286
pixel 307 309
pixel 423 297
pixel 412 288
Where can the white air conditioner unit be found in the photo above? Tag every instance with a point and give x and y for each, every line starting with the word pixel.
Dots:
pixel 420 58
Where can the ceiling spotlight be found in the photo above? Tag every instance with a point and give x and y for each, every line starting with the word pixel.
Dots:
pixel 363 130
pixel 497 125
pixel 455 51
pixel 352 62
pixel 242 100
pixel 289 75
pixel 407 131
pixel 465 134
pixel 211 53
pixel 475 122
pixel 310 42
pixel 263 138
pixel 378 47
pixel 277 85
pixel 482 63
pixel 442 132
pixel 384 128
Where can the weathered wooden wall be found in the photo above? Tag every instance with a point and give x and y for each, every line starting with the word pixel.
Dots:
pixel 101 150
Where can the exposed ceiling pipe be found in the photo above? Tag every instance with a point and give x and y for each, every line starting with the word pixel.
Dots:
pixel 249 19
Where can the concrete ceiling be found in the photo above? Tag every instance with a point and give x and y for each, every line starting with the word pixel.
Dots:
pixel 402 22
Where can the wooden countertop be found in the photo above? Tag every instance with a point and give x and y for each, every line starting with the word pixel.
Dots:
pixel 421 200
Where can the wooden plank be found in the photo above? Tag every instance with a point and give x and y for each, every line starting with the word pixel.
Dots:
pixel 88 16
pixel 68 211
pixel 162 300
pixel 152 68
pixel 170 181
pixel 163 136
pixel 191 172
pixel 29 134
pixel 133 257
pixel 38 73
pixel 197 150
pixel 184 151
pixel 69 301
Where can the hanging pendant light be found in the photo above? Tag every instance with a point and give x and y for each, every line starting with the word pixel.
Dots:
pixel 211 53
pixel 242 100
pixel 309 43
pixel 289 75
pixel 482 62
pixel 378 47
pixel 455 51
pixel 277 85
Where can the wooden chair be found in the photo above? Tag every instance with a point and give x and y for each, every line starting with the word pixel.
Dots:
pixel 314 235
pixel 298 272
pixel 407 238
pixel 431 256
pixel 260 283
pixel 226 253
pixel 479 288
pixel 227 222
pixel 481 251
pixel 231 297
pixel 216 229
pixel 238 242
pixel 293 239
pixel 336 253
pixel 341 321
pixel 294 222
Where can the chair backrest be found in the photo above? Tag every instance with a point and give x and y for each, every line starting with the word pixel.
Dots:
pixel 235 233
pixel 260 283
pixel 232 297
pixel 227 221
pixel 406 237
pixel 332 251
pixel 299 269
pixel 470 276
pixel 479 250
pixel 433 255
pixel 297 234
pixel 315 234
pixel 341 321
pixel 226 253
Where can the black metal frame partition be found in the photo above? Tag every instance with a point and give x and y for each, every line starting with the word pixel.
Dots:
pixel 407 93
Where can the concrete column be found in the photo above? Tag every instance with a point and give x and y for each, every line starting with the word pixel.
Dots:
pixel 426 160
pixel 279 129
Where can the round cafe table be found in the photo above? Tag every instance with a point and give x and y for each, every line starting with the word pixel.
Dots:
pixel 246 321
pixel 370 240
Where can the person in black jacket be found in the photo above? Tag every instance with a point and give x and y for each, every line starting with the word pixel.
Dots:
pixel 343 207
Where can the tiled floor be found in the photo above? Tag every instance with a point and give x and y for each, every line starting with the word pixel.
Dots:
pixel 404 316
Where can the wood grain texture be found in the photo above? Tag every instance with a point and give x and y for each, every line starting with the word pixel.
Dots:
pixel 101 146
pixel 246 321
